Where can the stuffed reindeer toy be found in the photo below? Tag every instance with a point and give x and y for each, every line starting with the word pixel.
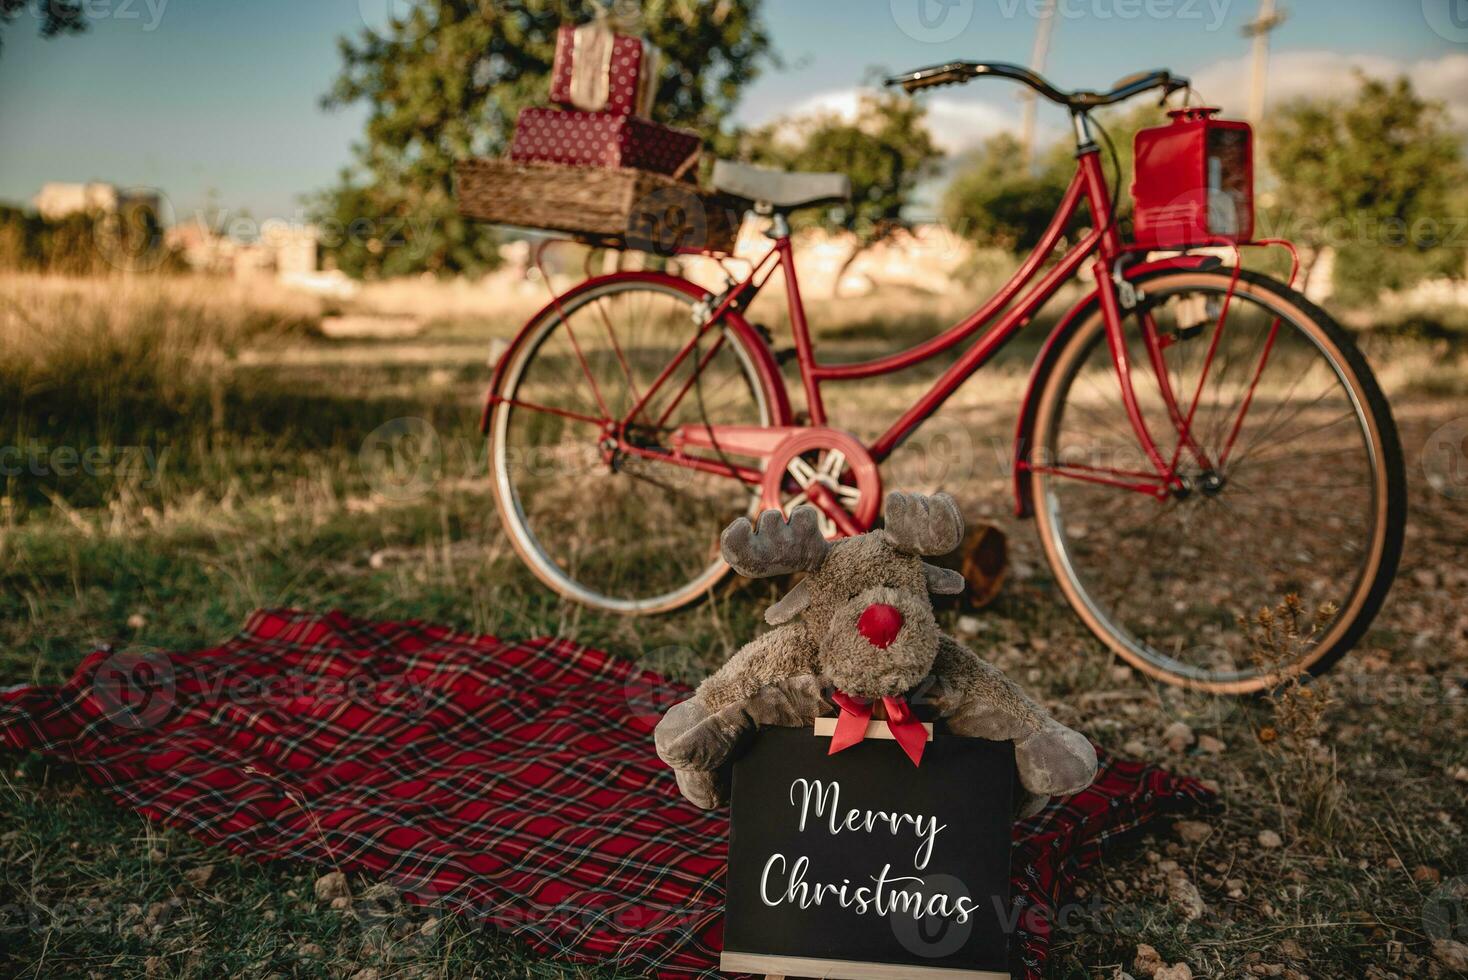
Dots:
pixel 856 636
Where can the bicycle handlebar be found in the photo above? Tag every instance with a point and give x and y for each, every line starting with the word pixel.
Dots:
pixel 959 72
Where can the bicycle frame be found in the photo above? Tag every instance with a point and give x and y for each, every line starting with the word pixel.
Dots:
pixel 993 325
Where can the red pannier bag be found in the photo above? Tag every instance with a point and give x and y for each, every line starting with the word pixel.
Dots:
pixel 1194 182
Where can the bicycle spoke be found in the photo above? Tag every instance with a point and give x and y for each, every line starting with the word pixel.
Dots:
pixel 1291 512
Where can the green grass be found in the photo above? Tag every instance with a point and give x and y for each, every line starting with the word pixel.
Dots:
pixel 264 501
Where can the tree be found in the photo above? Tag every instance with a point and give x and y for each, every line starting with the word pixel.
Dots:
pixel 1375 178
pixel 885 148
pixel 995 200
pixel 56 16
pixel 447 80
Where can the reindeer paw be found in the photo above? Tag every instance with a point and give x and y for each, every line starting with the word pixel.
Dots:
pixel 705 790
pixel 692 737
pixel 1055 761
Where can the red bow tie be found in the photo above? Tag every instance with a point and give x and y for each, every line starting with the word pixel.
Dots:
pixel 856 713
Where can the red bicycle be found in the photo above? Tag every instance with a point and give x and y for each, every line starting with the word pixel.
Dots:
pixel 1196 442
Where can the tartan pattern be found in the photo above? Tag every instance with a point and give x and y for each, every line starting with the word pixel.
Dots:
pixel 515 782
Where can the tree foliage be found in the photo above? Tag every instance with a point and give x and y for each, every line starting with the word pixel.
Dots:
pixel 885 148
pixel 1377 177
pixel 995 200
pixel 446 81
pixel 55 16
pixel 998 201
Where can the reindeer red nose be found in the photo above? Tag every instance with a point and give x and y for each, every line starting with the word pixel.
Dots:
pixel 880 624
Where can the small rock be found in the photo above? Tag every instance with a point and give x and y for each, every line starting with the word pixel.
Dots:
pixel 200 877
pixel 331 885
pixel 310 949
pixel 1135 748
pixel 1184 896
pixel 341 902
pixel 137 621
pixel 368 973
pixel 1148 960
pixel 1292 949
pixel 1425 577
pixel 1177 736
pixel 378 560
pixel 1193 831
pixel 429 927
pixel 1178 971
pixel 1426 874
pixel 1461 774
pixel 969 625
pixel 1209 745
pixel 1450 953
pixel 1120 673
pixel 1270 840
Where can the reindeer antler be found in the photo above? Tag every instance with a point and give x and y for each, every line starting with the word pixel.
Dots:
pixel 922 525
pixel 776 548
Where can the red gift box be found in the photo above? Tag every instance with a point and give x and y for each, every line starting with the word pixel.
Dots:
pixel 598 139
pixel 596 70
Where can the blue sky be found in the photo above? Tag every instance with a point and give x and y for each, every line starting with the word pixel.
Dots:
pixel 222 96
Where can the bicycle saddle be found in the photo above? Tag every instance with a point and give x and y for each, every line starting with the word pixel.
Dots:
pixel 780 189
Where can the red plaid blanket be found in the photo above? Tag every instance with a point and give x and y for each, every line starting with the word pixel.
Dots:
pixel 515 782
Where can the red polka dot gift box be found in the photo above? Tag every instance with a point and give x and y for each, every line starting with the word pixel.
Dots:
pixel 597 70
pixel 598 139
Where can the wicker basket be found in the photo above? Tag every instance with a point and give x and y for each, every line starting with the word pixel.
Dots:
pixel 616 208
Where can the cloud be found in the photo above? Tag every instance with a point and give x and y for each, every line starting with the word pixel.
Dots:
pixel 957 125
pixel 1316 74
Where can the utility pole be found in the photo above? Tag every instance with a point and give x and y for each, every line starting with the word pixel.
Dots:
pixel 1259 30
pixel 1038 55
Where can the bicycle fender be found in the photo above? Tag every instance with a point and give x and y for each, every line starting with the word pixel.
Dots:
pixel 759 351
pixel 1024 506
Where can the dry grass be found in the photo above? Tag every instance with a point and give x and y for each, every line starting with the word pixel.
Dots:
pixel 273 507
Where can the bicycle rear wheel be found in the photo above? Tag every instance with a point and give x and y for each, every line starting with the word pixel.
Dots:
pixel 600 526
pixel 1293 484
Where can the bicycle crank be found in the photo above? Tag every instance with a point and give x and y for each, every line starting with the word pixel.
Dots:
pixel 830 470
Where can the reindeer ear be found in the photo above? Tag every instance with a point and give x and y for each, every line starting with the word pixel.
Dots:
pixel 775 547
pixel 943 581
pixel 792 605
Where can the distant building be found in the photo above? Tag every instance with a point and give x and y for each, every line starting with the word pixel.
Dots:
pixel 57 200
pixel 287 251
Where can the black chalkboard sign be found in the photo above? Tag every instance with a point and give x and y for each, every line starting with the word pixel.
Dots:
pixel 860 865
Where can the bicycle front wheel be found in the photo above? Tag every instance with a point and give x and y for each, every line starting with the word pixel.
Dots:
pixel 1292 489
pixel 623 532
